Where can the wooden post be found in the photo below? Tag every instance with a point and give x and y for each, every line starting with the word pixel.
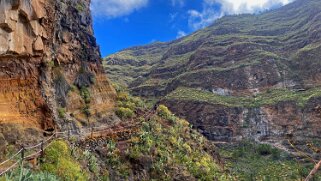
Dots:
pixel 23 152
pixel 42 151
pixel 92 133
pixel 313 171
pixel 68 133
pixel 22 158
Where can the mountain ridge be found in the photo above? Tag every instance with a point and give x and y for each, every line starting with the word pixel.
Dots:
pixel 188 45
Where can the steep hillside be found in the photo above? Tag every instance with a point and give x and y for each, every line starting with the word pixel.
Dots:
pixel 246 76
pixel 51 75
pixel 57 104
pixel 54 94
pixel 155 145
pixel 261 51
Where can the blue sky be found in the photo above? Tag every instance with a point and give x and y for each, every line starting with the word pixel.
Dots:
pixel 119 24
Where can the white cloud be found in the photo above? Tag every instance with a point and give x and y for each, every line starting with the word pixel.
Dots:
pixel 178 2
pixel 247 6
pixel 181 34
pixel 200 19
pixel 116 8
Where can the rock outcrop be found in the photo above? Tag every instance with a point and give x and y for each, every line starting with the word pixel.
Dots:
pixel 279 122
pixel 50 68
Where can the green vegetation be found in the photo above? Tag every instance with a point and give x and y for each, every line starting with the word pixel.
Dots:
pixel 73 88
pixel 59 161
pixel 127 105
pixel 165 148
pixel 85 94
pixel 120 167
pixel 26 175
pixel 80 7
pixel 86 110
pixel 250 161
pixel 165 113
pixel 50 64
pixel 269 97
pixel 132 71
pixel 92 162
pixel 170 148
pixel 61 112
pixel 124 113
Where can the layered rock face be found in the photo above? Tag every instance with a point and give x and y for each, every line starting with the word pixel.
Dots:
pixel 246 76
pixel 275 123
pixel 50 67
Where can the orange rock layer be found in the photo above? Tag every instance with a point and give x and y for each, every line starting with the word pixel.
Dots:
pixel 37 38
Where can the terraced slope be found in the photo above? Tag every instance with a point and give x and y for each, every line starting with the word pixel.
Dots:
pixel 246 76
pixel 240 54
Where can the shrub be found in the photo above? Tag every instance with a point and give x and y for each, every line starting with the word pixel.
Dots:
pixel 118 87
pixel 58 161
pixel 50 64
pixel 28 175
pixel 80 7
pixel 163 111
pixel 86 110
pixel 238 153
pixel 61 112
pixel 138 102
pixel 264 149
pixel 129 105
pixel 73 88
pixel 135 152
pixel 276 154
pixel 85 94
pixel 124 113
pixel 92 162
pixel 122 96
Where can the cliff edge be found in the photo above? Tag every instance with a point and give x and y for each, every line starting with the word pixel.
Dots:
pixel 51 75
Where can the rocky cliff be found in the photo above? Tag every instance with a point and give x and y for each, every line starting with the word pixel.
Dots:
pixel 246 76
pixel 50 69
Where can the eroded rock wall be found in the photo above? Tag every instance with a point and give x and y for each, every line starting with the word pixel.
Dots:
pixel 50 67
pixel 21 27
pixel 277 123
